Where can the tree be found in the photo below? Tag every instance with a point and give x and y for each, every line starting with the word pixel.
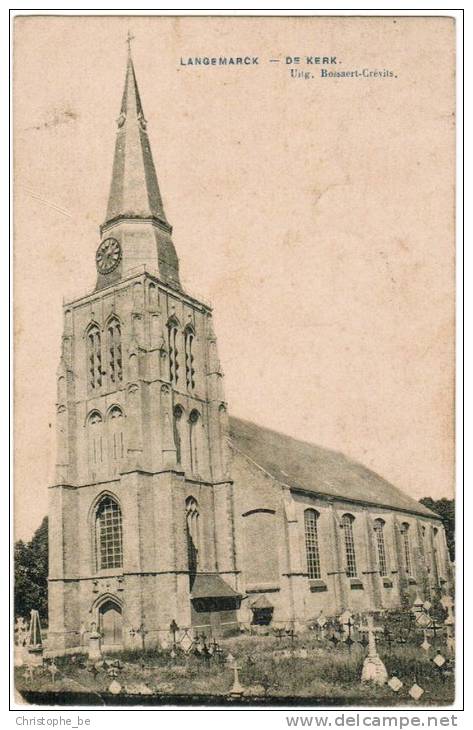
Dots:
pixel 31 573
pixel 445 508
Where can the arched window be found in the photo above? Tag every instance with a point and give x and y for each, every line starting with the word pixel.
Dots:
pixel 347 525
pixel 177 422
pixel 95 442
pixel 189 337
pixel 108 534
pixel 114 349
pixel 153 295
pixel 435 563
pixel 194 422
pixel 379 532
pixel 173 350
pixel 193 535
pixel 312 543
pixel 116 437
pixel 404 529
pixel 94 357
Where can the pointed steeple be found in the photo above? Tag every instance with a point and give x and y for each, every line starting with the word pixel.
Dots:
pixel 134 194
pixel 134 191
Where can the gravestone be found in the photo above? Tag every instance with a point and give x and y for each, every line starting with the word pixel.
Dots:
pixel 95 638
pixel 21 638
pixel 373 667
pixel 114 687
pixel 416 691
pixel 237 690
pixel 321 624
pixel 395 684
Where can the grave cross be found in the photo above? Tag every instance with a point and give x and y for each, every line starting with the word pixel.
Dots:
pixel 291 633
pixel 214 647
pixel 372 630
pixel 174 628
pixel 373 668
pixel 29 672
pixel 279 633
pixel 346 620
pixel 53 670
pixel 237 690
pixel 388 637
pixel 21 631
pixel 141 631
pixel 321 624
pixel 425 644
pixel 435 628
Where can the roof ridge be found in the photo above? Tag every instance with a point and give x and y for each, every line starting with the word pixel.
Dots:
pixel 317 469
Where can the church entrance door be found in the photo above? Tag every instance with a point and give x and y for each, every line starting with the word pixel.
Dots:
pixel 111 623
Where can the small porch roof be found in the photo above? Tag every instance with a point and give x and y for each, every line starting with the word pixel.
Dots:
pixel 212 585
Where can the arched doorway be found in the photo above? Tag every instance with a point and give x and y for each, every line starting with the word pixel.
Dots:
pixel 111 623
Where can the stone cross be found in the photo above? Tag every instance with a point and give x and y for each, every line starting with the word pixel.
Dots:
pixel 94 648
pixel 321 623
pixel 129 39
pixel 372 631
pixel 347 624
pixel 373 668
pixel 237 690
pixel 21 631
pixel 141 631
pixel 53 670
pixel 173 628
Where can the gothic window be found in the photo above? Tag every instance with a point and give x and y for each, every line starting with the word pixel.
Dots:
pixel 115 436
pixel 347 525
pixel 193 535
pixel 95 441
pixel 153 295
pixel 114 345
pixel 108 534
pixel 435 564
pixel 425 548
pixel 194 422
pixel 189 336
pixel 173 351
pixel 406 547
pixel 177 422
pixel 94 357
pixel 381 547
pixel 312 543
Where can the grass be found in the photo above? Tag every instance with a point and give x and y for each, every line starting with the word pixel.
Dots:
pixel 265 670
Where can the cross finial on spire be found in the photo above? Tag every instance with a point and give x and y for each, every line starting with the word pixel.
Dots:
pixel 129 39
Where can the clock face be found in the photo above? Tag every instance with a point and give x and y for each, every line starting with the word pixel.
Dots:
pixel 108 255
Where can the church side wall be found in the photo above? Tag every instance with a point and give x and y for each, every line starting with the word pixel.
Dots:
pixel 273 559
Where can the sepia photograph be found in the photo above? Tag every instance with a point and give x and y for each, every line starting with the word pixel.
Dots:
pixel 234 383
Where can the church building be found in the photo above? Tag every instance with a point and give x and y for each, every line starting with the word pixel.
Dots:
pixel 167 514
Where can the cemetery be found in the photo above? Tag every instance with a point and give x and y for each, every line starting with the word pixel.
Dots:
pixel 385 658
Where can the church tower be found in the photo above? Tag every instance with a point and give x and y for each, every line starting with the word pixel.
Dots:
pixel 141 519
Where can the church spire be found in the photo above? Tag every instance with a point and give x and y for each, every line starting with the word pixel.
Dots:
pixel 135 214
pixel 134 192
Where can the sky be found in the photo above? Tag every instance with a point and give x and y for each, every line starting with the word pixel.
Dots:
pixel 315 215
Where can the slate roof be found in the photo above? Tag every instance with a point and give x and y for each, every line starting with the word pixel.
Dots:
pixel 134 191
pixel 211 585
pixel 304 466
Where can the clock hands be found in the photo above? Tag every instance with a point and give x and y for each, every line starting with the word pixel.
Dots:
pixel 108 255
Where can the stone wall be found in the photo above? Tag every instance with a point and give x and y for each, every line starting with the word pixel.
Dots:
pixel 294 596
